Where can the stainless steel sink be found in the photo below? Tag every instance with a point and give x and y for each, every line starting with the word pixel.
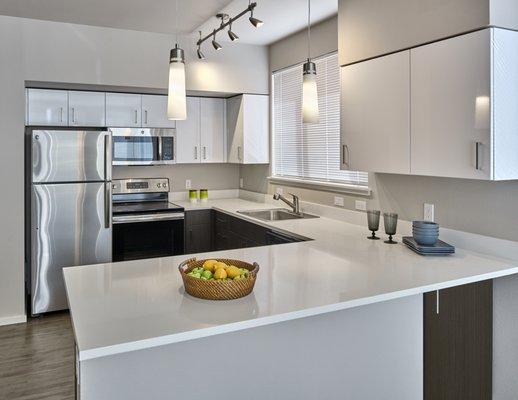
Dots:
pixel 275 214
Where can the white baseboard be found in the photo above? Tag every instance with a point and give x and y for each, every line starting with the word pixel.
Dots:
pixel 15 319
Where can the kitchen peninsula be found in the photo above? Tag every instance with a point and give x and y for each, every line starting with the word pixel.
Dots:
pixel 338 312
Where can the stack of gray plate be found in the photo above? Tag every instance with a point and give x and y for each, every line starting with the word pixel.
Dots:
pixel 425 233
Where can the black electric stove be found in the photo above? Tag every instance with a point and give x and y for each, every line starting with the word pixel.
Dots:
pixel 145 223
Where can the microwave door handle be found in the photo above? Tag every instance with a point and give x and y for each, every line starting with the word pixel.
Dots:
pixel 160 149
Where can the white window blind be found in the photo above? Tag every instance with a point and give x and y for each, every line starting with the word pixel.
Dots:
pixel 309 151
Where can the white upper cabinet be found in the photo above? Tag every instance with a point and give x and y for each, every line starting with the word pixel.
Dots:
pixel 154 112
pixel 86 108
pixel 451 107
pixel 47 107
pixel 123 110
pixel 188 134
pixel 248 129
pixel 375 117
pixel 213 137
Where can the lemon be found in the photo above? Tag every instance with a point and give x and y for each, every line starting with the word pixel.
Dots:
pixel 208 265
pixel 220 273
pixel 233 271
pixel 219 264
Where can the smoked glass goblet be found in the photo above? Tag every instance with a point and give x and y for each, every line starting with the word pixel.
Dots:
pixel 373 219
pixel 390 221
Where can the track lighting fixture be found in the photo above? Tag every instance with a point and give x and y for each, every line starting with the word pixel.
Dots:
pixel 231 34
pixel 201 56
pixel 215 44
pixel 227 21
pixel 254 21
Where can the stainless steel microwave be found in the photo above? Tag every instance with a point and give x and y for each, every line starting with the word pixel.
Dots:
pixel 143 146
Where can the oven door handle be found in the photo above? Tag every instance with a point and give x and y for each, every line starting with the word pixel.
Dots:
pixel 128 219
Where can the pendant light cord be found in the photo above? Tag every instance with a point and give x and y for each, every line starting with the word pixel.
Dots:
pixel 176 21
pixel 309 29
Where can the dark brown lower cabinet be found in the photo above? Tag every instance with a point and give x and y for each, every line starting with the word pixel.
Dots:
pixel 198 231
pixel 458 340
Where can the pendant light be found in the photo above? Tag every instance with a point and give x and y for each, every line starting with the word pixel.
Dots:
pixel 176 97
pixel 309 83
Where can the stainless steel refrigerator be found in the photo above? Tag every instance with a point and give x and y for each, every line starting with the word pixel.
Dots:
pixel 70 202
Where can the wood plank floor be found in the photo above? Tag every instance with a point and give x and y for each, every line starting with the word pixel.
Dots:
pixel 37 359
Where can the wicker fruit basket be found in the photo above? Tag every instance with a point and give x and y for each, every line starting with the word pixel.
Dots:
pixel 218 290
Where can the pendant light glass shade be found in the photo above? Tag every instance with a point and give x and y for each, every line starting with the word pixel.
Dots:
pixel 309 94
pixel 176 96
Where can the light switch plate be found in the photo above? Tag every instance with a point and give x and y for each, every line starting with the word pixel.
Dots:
pixel 241 182
pixel 339 201
pixel 360 205
pixel 429 212
pixel 187 183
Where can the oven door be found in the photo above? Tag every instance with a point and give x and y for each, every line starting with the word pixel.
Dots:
pixel 143 146
pixel 138 236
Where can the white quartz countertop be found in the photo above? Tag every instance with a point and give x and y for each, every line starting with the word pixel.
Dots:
pixel 125 306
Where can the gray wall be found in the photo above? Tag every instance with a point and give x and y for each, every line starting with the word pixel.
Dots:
pixel 487 208
pixel 57 52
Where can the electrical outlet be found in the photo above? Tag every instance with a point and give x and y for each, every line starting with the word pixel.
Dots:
pixel 339 201
pixel 360 205
pixel 241 182
pixel 187 183
pixel 279 190
pixel 429 212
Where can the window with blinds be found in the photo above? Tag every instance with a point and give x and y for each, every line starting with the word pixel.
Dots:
pixel 309 152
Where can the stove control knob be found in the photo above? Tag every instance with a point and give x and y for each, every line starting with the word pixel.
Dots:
pixel 158 185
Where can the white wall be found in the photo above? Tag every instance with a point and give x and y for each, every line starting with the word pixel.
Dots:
pixel 49 51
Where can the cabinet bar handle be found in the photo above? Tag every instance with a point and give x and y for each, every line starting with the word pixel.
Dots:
pixel 61 114
pixel 437 303
pixel 145 116
pixel 345 149
pixel 195 152
pixel 73 115
pixel 136 119
pixel 204 153
pixel 477 155
pixel 239 153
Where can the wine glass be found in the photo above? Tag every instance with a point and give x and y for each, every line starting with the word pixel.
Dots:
pixel 390 221
pixel 373 219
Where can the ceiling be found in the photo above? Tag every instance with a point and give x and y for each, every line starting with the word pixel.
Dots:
pixel 141 15
pixel 281 17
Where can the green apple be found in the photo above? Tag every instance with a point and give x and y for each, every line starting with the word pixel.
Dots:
pixel 206 274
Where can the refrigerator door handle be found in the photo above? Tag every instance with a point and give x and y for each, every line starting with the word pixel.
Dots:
pixel 107 205
pixel 108 157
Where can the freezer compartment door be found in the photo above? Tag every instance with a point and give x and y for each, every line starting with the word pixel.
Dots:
pixel 71 225
pixel 71 156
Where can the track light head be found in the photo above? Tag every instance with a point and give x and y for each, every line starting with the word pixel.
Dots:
pixel 201 56
pixel 254 21
pixel 231 34
pixel 215 44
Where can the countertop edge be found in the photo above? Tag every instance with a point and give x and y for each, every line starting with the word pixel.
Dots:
pixel 90 354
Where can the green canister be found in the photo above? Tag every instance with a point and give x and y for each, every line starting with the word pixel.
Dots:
pixel 193 196
pixel 204 195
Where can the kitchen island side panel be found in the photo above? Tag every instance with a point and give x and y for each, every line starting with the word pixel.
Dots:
pixel 368 352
